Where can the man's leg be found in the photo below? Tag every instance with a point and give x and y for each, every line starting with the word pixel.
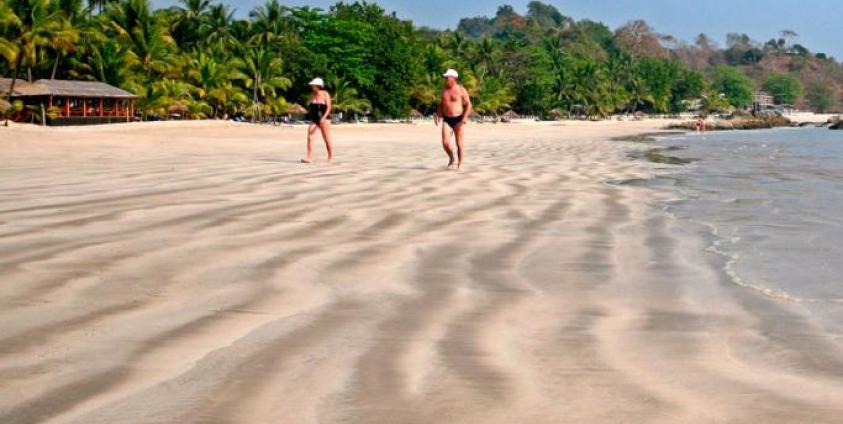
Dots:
pixel 460 147
pixel 446 143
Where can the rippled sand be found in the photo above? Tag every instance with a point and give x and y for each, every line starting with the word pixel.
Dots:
pixel 195 272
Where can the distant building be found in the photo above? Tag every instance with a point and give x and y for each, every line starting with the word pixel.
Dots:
pixel 71 102
pixel 762 102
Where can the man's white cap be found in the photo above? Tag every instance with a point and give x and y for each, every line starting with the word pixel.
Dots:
pixel 317 81
pixel 451 74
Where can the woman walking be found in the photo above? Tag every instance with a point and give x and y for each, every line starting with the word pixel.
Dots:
pixel 319 115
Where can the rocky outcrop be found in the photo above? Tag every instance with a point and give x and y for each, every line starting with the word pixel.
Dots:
pixel 742 123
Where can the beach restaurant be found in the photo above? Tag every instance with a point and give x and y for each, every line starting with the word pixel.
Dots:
pixel 70 102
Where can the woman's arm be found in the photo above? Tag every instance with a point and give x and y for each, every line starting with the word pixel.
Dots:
pixel 329 106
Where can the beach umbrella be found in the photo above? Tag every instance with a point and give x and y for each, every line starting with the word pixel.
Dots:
pixel 556 114
pixel 416 114
pixel 511 115
pixel 296 109
pixel 178 108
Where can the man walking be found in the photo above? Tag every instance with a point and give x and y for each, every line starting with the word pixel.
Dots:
pixel 454 109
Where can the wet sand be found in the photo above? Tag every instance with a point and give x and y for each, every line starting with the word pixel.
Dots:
pixel 196 272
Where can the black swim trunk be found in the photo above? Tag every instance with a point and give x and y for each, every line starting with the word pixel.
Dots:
pixel 453 121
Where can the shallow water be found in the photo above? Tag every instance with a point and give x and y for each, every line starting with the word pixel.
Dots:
pixel 772 201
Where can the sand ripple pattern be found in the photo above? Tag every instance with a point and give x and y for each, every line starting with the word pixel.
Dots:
pixel 198 274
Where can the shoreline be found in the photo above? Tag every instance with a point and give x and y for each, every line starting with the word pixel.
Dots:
pixel 178 273
pixel 719 244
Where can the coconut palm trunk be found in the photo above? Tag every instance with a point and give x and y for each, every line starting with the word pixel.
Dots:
pixel 55 66
pixel 14 80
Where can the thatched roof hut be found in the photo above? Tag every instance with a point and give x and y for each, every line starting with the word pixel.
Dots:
pixel 178 108
pixel 416 114
pixel 296 109
pixel 65 88
pixel 556 114
pixel 510 115
pixel 78 102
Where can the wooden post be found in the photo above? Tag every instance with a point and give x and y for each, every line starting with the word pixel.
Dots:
pixel 84 106
pixel 50 102
pixel 102 109
pixel 131 108
pixel 67 106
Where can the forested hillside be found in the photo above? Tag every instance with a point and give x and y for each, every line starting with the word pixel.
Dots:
pixel 198 56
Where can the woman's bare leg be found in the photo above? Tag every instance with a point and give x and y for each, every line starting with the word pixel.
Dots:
pixel 325 126
pixel 310 131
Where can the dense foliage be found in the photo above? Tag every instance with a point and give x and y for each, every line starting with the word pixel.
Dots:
pixel 198 59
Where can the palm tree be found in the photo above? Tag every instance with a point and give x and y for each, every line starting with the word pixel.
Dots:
pixel 346 100
pixel 215 29
pixel 492 94
pixel 268 21
pixel 213 79
pixel 488 54
pixel 8 49
pixel 188 22
pixel 425 93
pixel 263 69
pixel 30 25
pixel 99 5
pixel 148 40
pixel 457 43
pixel 67 36
pixel 163 95
pixel 106 62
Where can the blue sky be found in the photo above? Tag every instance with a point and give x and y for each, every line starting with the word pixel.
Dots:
pixel 818 22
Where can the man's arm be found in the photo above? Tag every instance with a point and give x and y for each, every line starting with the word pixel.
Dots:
pixel 468 108
pixel 439 112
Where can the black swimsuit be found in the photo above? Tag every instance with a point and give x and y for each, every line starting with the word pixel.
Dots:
pixel 316 112
pixel 453 121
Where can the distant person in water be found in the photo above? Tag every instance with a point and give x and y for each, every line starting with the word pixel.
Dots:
pixel 319 115
pixel 454 110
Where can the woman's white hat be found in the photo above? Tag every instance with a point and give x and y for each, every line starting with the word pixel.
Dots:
pixel 451 73
pixel 317 81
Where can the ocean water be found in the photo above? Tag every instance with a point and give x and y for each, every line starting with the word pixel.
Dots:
pixel 772 202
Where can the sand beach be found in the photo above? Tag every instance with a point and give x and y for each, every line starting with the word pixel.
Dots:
pixel 195 272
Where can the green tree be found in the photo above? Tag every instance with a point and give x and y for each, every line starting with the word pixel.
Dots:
pixel 820 97
pixel 659 77
pixel 149 44
pixel 734 84
pixel 67 35
pixel 28 27
pixel 784 88
pixel 106 62
pixel 688 87
pixel 264 72
pixel 213 81
pixel 188 25
pixel 492 94
pixel 346 98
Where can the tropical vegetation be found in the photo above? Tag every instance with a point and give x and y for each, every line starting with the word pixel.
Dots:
pixel 203 60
